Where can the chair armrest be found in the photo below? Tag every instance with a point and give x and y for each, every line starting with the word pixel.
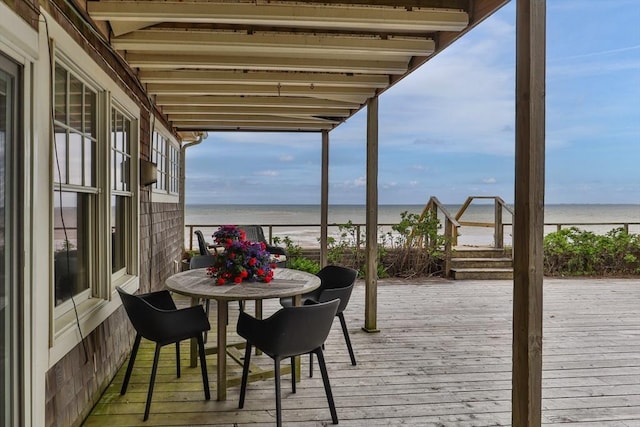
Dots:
pixel 174 325
pixel 160 299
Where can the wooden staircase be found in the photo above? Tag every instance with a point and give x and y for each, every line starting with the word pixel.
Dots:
pixel 481 263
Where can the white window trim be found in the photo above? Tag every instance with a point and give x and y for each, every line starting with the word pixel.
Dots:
pixel 162 196
pixel 93 312
pixel 121 276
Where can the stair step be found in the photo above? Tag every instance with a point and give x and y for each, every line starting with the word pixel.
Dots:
pixel 481 263
pixel 482 273
pixel 461 252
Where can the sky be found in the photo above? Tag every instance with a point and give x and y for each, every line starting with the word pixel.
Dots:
pixel 447 130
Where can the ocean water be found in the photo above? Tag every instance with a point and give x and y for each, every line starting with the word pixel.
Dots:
pixel 301 223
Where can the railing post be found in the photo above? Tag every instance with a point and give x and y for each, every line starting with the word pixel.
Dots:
pixel 191 237
pixel 499 236
pixel 434 214
pixel 448 232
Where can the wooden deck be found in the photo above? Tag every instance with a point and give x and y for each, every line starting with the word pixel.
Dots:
pixel 442 358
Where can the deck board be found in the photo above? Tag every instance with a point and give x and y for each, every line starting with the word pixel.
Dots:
pixel 442 357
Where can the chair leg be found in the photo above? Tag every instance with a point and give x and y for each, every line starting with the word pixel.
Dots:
pixel 154 370
pixel 346 338
pixel 206 311
pixel 132 359
pixel 311 362
pixel 327 386
pixel 245 374
pixel 276 363
pixel 293 374
pixel 178 359
pixel 203 367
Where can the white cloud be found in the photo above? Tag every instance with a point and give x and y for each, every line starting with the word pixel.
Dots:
pixel 287 158
pixel 267 173
pixel 361 181
pixel 489 181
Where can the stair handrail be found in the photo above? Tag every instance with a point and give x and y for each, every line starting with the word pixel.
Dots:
pixel 497 224
pixel 451 225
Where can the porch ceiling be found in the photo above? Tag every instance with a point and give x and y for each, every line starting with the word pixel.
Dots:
pixel 278 65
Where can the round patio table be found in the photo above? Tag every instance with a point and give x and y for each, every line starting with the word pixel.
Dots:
pixel 197 285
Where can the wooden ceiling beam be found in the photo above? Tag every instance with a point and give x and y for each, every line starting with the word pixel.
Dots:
pixel 260 90
pixel 263 77
pixel 212 62
pixel 241 118
pixel 317 16
pixel 218 42
pixel 195 110
pixel 254 126
pixel 255 101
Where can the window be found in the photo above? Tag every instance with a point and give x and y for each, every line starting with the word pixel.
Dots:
pixel 166 155
pixel 93 192
pixel 91 201
pixel 121 195
pixel 75 187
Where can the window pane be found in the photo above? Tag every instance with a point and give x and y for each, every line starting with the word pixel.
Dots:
pixel 76 96
pixel 60 94
pixel 72 250
pixel 119 238
pixel 89 113
pixel 112 166
pixel 75 158
pixel 119 171
pixel 121 156
pixel 89 170
pixel 126 161
pixel 60 162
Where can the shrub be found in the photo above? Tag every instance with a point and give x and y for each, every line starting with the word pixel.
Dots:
pixel 295 259
pixel 572 251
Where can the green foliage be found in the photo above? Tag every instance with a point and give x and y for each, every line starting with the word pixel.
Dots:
pixel 418 246
pixel 304 264
pixel 572 251
pixel 295 259
pixel 412 248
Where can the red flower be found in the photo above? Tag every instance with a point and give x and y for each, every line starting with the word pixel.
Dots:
pixel 267 279
pixel 220 281
pixel 252 261
pixel 260 272
pixel 237 279
pixel 244 274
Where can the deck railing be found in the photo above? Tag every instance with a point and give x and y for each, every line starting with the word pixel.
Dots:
pixel 498 224
pixel 450 228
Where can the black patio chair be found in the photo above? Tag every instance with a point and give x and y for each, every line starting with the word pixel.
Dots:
pixel 289 332
pixel 155 317
pixel 254 233
pixel 336 283
pixel 203 261
pixel 202 244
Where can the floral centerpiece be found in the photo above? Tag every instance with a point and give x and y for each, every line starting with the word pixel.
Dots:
pixel 241 259
pixel 227 234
